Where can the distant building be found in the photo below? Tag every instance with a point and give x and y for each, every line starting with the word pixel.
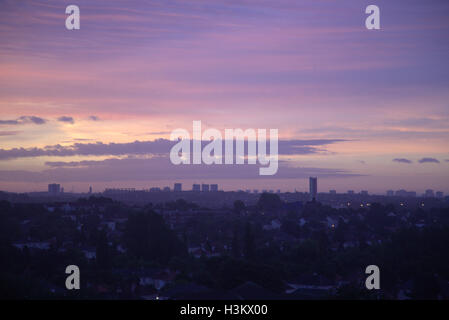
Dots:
pixel 196 187
pixel 364 192
pixel 155 189
pixel 255 191
pixel 177 187
pixel 54 188
pixel 90 190
pixel 119 190
pixel 313 187
pixel 350 191
pixel 405 193
pixel 205 187
pixel 214 187
pixel 429 193
pixel 390 193
pixel 440 194
pixel 166 189
pixel 332 191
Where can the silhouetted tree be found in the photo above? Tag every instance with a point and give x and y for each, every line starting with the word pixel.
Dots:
pixel 146 236
pixel 249 246
pixel 239 206
pixel 103 251
pixel 236 250
pixel 269 201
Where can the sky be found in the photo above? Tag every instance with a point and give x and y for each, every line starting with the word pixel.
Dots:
pixel 361 109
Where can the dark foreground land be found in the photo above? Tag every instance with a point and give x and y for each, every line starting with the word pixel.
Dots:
pixel 266 247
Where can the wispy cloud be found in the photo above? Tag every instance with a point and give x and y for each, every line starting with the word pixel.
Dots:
pixel 402 160
pixel 9 133
pixel 154 147
pixel 429 160
pixel 159 133
pixel 159 168
pixel 24 120
pixel 94 118
pixel 66 119
pixel 432 123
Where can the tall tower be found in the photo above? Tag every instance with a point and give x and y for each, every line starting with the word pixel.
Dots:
pixel 54 188
pixel 313 187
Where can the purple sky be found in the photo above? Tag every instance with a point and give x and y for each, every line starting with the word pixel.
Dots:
pixel 361 109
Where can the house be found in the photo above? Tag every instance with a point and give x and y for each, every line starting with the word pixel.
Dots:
pixel 197 252
pixel 331 222
pixel 158 280
pixel 252 291
pixel 90 253
pixel 109 224
pixel 274 225
pixel 41 245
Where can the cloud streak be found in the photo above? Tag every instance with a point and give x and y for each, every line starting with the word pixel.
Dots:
pixel 8 133
pixel 94 118
pixel 429 160
pixel 154 147
pixel 66 119
pixel 402 160
pixel 24 120
pixel 159 168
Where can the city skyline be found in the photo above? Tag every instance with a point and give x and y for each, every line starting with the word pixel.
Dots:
pixel 359 109
pixel 56 188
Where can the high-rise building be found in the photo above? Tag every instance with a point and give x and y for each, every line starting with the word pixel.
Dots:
pixel 54 188
pixel 205 187
pixel 440 194
pixel 411 194
pixel 364 192
pixel 166 189
pixel 214 187
pixel 90 190
pixel 350 191
pixel 196 188
pixel 313 187
pixel 333 191
pixel 405 193
pixel 390 193
pixel 429 193
pixel 177 187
